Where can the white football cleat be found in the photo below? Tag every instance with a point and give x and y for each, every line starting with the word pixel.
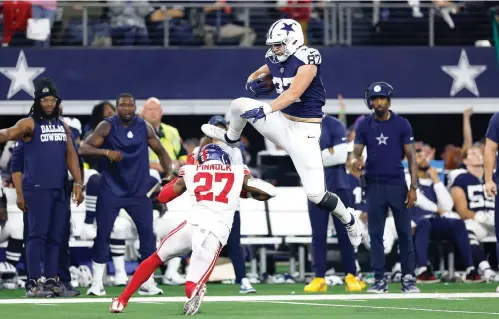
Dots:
pixel 246 287
pixel 96 290
pixel 192 305
pixel 117 306
pixel 217 133
pixel 355 230
pixel 150 288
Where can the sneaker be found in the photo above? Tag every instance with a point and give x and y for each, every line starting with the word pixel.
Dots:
pixel 246 287
pixel 379 287
pixel 353 284
pixel 409 284
pixel 473 277
pixel 427 277
pixel 96 290
pixel 67 290
pixel 316 285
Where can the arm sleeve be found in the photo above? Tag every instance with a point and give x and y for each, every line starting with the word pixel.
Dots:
pixel 339 156
pixel 444 199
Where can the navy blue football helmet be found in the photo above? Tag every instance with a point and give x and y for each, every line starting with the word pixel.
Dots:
pixel 377 89
pixel 213 152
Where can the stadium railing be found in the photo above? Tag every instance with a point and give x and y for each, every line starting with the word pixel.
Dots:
pixel 332 23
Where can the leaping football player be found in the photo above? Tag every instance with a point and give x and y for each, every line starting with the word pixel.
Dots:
pixel 216 186
pixel 293 120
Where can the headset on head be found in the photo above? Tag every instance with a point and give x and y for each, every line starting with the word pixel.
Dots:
pixel 381 84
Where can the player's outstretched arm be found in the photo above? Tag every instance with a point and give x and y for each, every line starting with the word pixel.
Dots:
pixel 301 82
pixel 157 147
pixel 172 190
pixel 90 146
pixel 20 129
pixel 258 189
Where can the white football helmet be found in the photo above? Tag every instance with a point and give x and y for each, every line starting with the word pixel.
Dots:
pixel 285 37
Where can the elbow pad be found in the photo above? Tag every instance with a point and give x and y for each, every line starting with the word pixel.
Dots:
pixel 263 186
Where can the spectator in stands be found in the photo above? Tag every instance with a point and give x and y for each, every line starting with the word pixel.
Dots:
pixel 99 113
pixel 219 24
pixel 428 216
pixel 473 205
pixel 44 9
pixel 15 22
pixel 98 31
pixel 168 135
pixel 128 21
pixel 179 28
pixel 299 10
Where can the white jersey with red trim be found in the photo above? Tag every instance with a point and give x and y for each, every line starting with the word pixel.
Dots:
pixel 215 189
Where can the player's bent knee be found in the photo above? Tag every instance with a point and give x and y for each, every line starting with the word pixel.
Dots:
pixel 326 200
pixel 241 105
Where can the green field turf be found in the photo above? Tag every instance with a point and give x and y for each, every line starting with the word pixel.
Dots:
pixel 271 301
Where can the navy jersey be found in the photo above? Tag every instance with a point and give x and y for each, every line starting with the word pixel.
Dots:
pixel 385 142
pixel 333 133
pixel 130 176
pixel 45 156
pixel 309 105
pixel 493 134
pixel 474 189
pixel 359 198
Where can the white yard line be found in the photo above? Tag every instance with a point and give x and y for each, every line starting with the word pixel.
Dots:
pixel 382 307
pixel 253 298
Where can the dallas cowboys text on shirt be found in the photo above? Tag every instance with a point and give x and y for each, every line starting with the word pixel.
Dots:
pixel 53 133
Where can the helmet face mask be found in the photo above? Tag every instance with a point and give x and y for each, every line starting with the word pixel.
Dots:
pixel 285 37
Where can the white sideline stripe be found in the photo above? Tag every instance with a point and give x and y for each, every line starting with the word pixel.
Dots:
pixel 382 307
pixel 260 298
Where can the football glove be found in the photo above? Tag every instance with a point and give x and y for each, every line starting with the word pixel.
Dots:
pixel 258 87
pixel 257 113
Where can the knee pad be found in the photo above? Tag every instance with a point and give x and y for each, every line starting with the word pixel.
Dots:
pixel 327 201
pixel 240 105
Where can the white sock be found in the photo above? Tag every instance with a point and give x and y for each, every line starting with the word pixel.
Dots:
pixel 98 273
pixel 172 266
pixel 119 265
pixel 420 270
pixel 341 212
pixel 484 265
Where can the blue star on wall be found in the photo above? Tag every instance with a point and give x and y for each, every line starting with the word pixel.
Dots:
pixel 287 27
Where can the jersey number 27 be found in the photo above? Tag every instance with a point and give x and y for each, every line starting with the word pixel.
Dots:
pixel 204 192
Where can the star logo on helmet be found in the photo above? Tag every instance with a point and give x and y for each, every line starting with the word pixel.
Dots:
pixel 288 27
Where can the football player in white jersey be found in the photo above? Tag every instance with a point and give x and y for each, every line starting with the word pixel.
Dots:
pixel 216 186
pixel 293 120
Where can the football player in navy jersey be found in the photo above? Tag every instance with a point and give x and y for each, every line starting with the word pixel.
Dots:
pixel 429 216
pixel 475 207
pixel 122 142
pixel 49 153
pixel 293 120
pixel 388 139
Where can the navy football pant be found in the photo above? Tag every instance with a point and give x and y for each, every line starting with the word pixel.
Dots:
pixel 235 250
pixel 108 207
pixel 47 219
pixel 319 219
pixel 64 259
pixel 439 229
pixel 379 199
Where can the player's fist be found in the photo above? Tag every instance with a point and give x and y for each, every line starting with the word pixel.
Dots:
pixel 263 85
pixel 491 188
pixel 114 156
